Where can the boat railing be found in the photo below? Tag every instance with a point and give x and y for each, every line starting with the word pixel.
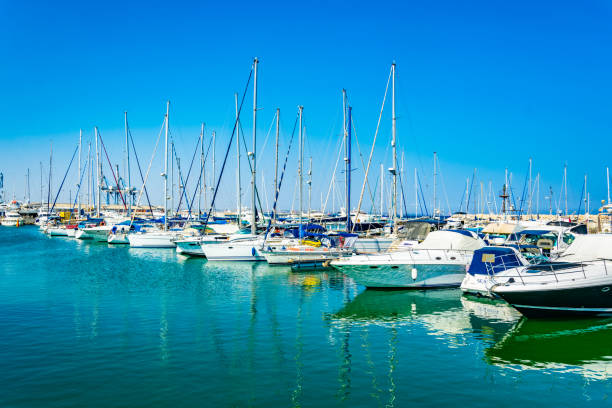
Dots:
pixel 558 270
pixel 432 254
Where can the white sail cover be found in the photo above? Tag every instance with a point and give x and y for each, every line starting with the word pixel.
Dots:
pixel 451 239
pixel 588 248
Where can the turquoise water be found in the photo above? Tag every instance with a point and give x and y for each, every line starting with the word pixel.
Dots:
pixel 85 324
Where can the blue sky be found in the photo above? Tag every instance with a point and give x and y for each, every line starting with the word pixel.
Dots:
pixel 485 84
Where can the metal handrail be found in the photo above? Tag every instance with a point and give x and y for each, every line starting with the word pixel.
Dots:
pixel 557 274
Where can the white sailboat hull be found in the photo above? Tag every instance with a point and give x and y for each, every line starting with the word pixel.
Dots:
pixel 119 238
pixel 57 232
pixel 248 250
pixel 153 240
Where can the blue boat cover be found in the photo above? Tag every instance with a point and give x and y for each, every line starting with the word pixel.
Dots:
pixel 492 260
pixel 535 232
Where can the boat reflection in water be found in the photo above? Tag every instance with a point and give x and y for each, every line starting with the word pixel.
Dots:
pixel 562 346
pixel 390 327
pixel 443 312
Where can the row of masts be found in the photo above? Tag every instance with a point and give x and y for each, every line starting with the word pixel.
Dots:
pixel 347 128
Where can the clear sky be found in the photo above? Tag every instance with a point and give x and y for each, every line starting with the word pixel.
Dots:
pixel 486 84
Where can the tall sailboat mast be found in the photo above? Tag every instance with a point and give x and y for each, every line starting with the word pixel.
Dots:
pixel 214 164
pixel 565 183
pixel 309 187
pixel 394 146
pixel 238 186
pixel 41 185
pixel 79 175
pixel 50 171
pixel 127 159
pixel 416 194
pixel 172 157
pixel 201 169
pixel 382 189
pixel 434 184
pixel 276 153
pixel 166 168
pixel 608 182
pixel 253 172
pixel 530 189
pixel 300 156
pixel 348 170
pixel 89 173
pixel 345 140
pixel 99 171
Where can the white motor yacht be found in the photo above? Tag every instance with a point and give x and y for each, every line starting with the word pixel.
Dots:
pixel 12 219
pixel 440 260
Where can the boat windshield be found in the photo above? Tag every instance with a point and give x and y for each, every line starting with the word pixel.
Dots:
pixel 547 240
pixel 417 231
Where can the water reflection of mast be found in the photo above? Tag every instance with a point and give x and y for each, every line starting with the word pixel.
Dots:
pixel 275 326
pixel 376 390
pixel 344 370
pixel 299 377
pixel 163 329
pixel 253 315
pixel 392 363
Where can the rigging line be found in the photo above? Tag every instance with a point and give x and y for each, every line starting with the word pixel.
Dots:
pixel 467 206
pixel 273 217
pixel 373 144
pixel 76 198
pixel 403 196
pixel 112 171
pixel 580 202
pixel 422 195
pixel 443 188
pixel 187 179
pixel 463 191
pixel 180 176
pixel 201 170
pixel 333 180
pixel 144 181
pixel 375 192
pixel 250 164
pixel 265 143
pixel 523 194
pixel 361 156
pixel 64 179
pixel 212 204
pixel 140 170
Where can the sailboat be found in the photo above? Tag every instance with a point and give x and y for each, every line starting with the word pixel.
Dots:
pixel 313 249
pixel 158 238
pixel 241 246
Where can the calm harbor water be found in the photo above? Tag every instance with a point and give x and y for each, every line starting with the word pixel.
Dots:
pixel 85 324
